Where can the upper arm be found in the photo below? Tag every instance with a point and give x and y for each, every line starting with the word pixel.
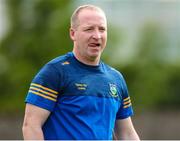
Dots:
pixel 44 89
pixel 125 109
pixel 35 116
pixel 124 129
pixel 40 101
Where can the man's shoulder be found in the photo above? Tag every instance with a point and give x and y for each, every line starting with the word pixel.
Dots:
pixel 61 60
pixel 111 69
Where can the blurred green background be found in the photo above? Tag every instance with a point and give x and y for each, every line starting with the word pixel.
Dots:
pixel 143 44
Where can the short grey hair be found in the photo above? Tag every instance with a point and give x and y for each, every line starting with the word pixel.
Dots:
pixel 74 17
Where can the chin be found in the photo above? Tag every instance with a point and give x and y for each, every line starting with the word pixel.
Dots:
pixel 94 55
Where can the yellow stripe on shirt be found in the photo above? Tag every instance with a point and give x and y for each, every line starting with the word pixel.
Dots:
pixel 47 97
pixel 126 106
pixel 44 92
pixel 127 102
pixel 126 99
pixel 45 88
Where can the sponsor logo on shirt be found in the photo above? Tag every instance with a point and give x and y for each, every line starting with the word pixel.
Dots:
pixel 81 86
pixel 65 63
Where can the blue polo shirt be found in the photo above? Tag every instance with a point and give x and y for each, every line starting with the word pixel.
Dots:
pixel 84 100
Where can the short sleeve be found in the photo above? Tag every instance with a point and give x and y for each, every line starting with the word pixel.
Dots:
pixel 125 109
pixel 44 88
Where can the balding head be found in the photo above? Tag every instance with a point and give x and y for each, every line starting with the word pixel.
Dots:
pixel 74 17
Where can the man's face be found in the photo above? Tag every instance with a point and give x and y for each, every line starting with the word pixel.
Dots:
pixel 90 36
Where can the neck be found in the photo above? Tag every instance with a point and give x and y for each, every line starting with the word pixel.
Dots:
pixel 86 60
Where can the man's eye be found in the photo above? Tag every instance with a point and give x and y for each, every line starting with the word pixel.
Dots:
pixel 88 29
pixel 102 29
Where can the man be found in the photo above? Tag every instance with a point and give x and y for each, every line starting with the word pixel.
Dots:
pixel 77 96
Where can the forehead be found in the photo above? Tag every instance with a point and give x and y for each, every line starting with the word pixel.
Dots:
pixel 92 17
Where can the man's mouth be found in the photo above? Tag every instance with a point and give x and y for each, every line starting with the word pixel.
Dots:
pixel 94 44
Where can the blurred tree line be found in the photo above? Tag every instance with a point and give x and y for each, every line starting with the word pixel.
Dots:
pixel 153 81
pixel 39 33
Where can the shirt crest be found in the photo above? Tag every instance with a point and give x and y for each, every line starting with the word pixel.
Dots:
pixel 113 90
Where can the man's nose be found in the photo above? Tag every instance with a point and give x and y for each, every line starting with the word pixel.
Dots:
pixel 96 34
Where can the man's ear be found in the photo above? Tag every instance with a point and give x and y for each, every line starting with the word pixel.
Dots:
pixel 72 33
